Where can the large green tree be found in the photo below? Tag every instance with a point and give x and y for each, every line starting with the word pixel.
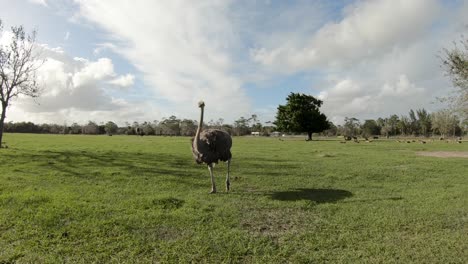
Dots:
pixel 188 127
pixel 424 121
pixel 111 128
pixel 18 65
pixel 370 128
pixel 301 114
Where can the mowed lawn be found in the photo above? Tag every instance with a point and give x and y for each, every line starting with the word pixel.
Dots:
pixel 128 199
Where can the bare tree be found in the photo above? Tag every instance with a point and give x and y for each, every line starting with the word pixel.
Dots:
pixel 455 65
pixel 18 65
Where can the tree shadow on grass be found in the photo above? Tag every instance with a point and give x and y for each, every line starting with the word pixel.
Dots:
pixel 99 165
pixel 315 195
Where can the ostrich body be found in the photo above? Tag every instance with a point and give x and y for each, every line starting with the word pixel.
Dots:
pixel 210 146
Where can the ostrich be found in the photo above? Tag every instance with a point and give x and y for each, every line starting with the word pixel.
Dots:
pixel 139 131
pixel 210 146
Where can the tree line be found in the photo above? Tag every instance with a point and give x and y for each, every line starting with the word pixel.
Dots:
pixel 418 123
pixel 171 126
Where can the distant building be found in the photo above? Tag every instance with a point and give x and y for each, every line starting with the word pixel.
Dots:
pixel 275 134
pixel 255 133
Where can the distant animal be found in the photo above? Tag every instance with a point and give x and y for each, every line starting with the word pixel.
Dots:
pixel 139 131
pixel 210 146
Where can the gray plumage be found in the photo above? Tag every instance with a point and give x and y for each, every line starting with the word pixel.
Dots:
pixel 211 146
pixel 214 145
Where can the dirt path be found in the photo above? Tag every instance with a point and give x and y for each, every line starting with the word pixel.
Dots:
pixel 444 154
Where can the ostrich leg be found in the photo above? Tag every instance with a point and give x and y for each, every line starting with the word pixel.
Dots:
pixel 228 184
pixel 213 186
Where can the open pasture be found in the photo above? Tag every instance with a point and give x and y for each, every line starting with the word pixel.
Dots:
pixel 127 199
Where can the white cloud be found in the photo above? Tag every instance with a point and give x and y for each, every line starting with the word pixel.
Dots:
pixel 104 46
pixel 53 76
pixel 367 99
pixel 127 112
pixel 39 2
pixel 5 38
pixel 75 89
pixel 93 71
pixel 124 81
pixel 182 48
pixel 347 97
pixel 402 87
pixel 368 29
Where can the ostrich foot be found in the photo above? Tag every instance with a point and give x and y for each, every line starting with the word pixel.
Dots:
pixel 213 191
pixel 228 185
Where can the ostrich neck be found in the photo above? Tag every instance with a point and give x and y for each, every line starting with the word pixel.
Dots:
pixel 200 126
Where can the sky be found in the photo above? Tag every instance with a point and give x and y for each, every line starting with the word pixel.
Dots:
pixel 125 61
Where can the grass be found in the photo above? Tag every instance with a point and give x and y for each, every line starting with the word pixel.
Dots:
pixel 127 199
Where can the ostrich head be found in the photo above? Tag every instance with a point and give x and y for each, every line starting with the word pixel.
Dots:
pixel 201 104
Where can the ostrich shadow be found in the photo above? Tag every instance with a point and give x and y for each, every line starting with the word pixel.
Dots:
pixel 314 195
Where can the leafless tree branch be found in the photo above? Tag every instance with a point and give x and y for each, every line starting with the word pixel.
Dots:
pixel 18 66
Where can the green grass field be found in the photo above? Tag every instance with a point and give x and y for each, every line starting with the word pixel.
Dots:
pixel 127 199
